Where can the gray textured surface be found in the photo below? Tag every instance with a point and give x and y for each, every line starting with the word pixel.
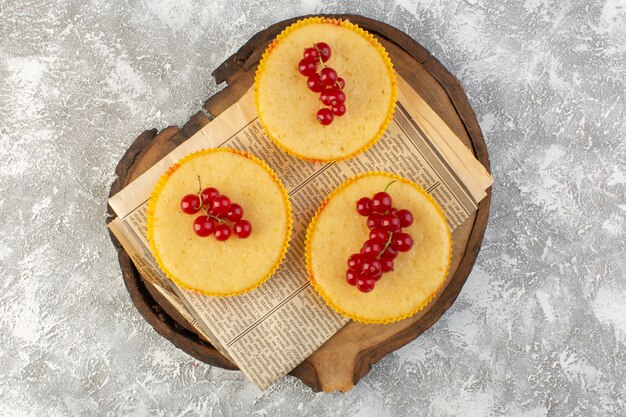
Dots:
pixel 539 329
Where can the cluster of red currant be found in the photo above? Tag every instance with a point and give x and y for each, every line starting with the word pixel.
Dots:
pixel 219 213
pixel 386 239
pixel 326 82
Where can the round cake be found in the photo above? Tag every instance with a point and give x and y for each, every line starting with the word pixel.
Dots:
pixel 206 260
pixel 339 229
pixel 288 107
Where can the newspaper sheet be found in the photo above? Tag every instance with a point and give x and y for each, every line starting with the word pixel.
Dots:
pixel 270 330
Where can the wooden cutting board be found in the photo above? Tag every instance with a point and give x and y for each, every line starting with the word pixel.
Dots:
pixel 348 355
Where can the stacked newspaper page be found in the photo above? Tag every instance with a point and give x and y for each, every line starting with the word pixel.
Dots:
pixel 270 330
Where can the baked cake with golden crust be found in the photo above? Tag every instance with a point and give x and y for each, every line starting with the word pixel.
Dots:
pixel 287 107
pixel 338 230
pixel 206 264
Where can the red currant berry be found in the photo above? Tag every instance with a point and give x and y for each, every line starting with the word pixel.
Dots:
pixel 234 213
pixel 379 234
pixel 203 226
pixel 311 53
pixel 387 264
pixel 190 204
pixel 351 277
pixel 222 232
pixel 341 83
pixel 406 218
pixel 390 223
pixel 393 211
pixel 365 283
pixel 372 267
pixel 339 109
pixel 220 205
pixel 372 248
pixel 355 262
pixel 402 242
pixel 373 221
pixel 339 97
pixel 389 253
pixel 364 206
pixel 314 83
pixel 326 98
pixel 332 97
pixel 324 50
pixel 242 228
pixel 381 202
pixel 208 194
pixel 325 117
pixel 328 76
pixel 307 67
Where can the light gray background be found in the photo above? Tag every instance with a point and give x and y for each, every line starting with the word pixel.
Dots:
pixel 538 329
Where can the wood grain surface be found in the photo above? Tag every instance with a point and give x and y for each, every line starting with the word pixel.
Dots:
pixel 349 354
